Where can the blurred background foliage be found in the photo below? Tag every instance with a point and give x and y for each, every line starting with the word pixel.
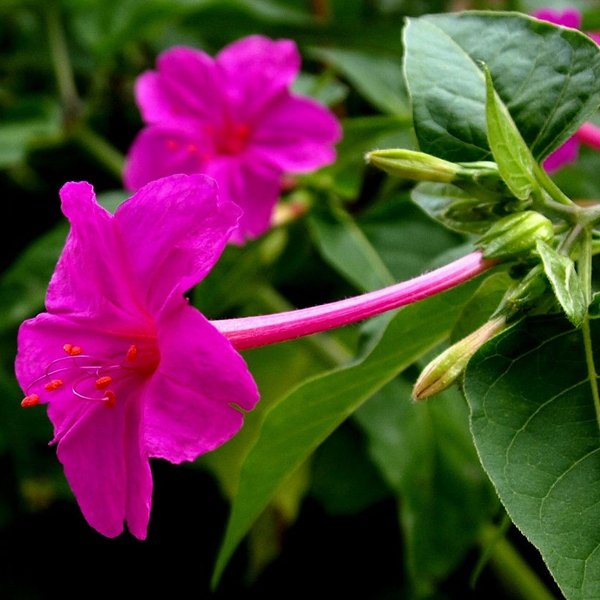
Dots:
pixel 355 520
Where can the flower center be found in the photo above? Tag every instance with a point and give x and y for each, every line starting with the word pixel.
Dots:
pixel 92 378
pixel 233 139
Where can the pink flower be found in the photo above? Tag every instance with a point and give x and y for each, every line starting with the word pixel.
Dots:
pixel 588 133
pixel 131 371
pixel 234 118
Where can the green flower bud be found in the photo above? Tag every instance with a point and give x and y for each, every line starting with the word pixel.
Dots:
pixel 445 369
pixel 515 234
pixel 414 165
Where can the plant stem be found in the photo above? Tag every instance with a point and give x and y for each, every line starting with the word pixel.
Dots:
pixel 105 153
pixel 591 367
pixel 62 64
pixel 251 332
pixel 552 200
pixel 510 566
pixel 584 263
pixel 97 146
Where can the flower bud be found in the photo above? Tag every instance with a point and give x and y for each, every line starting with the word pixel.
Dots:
pixel 414 165
pixel 445 369
pixel 515 234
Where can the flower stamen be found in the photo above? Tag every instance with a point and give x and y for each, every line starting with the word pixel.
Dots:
pixel 131 353
pixel 53 385
pixel 30 400
pixel 103 382
pixel 72 350
pixel 87 373
pixel 109 399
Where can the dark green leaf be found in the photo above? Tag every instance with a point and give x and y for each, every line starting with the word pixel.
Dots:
pixel 361 134
pixel 480 307
pixel 454 208
pixel 547 76
pixel 377 77
pixel 18 134
pixel 343 245
pixel 23 286
pixel 296 425
pixel 536 430
pixel 426 453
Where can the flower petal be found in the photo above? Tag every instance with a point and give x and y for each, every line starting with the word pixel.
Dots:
pixel 569 17
pixel 253 185
pixel 159 151
pixel 296 135
pixel 186 85
pixel 565 154
pixel 138 498
pixel 256 69
pixel 91 259
pixel 176 228
pixel 40 343
pixel 98 468
pixel 188 407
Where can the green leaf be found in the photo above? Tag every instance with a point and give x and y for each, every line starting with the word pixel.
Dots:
pixel 344 246
pixel 426 453
pixel 453 207
pixel 594 308
pixel 113 199
pixel 295 426
pixel 536 431
pixel 481 306
pixel 344 479
pixel 565 281
pixel 396 229
pixel 378 77
pixel 23 285
pixel 17 135
pixel 515 162
pixel 324 88
pixel 547 76
pixel 361 134
pixel 294 361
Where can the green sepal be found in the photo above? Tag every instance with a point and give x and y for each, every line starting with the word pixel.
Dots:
pixel 515 235
pixel 565 281
pixel 515 161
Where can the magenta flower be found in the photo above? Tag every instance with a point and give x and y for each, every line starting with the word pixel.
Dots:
pixel 234 118
pixel 131 371
pixel 588 133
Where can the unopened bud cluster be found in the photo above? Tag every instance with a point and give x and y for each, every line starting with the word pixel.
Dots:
pixel 473 198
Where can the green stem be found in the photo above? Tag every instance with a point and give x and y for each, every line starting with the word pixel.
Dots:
pixel 105 153
pixel 511 568
pixel 62 64
pixel 591 367
pixel 591 214
pixel 551 188
pixel 570 241
pixel 584 263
